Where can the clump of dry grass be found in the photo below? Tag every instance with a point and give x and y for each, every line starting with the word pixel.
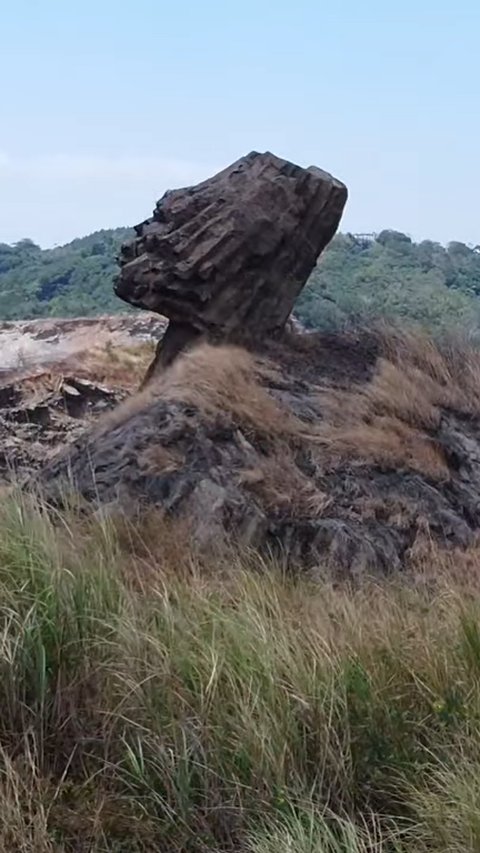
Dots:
pixel 394 418
pixel 383 441
pixel 449 372
pixel 152 701
pixel 120 364
pixel 219 381
pixel 281 487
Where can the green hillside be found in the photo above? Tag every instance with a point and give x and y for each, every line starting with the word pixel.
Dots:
pixel 70 280
pixel 357 278
pixel 391 276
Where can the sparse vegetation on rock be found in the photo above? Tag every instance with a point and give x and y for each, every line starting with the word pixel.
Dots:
pixel 357 447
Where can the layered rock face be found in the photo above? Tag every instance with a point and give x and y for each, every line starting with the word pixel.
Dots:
pixel 226 260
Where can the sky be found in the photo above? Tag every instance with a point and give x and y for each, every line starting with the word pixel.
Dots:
pixel 106 104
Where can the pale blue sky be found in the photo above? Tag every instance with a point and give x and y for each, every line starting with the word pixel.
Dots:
pixel 106 104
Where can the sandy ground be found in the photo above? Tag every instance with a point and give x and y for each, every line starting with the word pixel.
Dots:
pixel 32 343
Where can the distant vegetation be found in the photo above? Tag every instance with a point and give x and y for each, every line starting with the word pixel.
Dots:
pixel 391 276
pixel 357 278
pixel 67 281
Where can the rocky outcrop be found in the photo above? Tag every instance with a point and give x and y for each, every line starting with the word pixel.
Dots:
pixel 343 451
pixel 39 414
pixel 57 376
pixel 226 260
pixel 349 451
pixel 26 344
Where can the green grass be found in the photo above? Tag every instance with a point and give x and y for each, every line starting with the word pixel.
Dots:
pixel 150 701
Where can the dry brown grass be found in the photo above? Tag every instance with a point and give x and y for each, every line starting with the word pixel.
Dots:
pixel 159 459
pixel 394 418
pixel 391 420
pixel 218 381
pixel 122 367
pixel 383 441
pixel 451 370
pixel 280 486
pixel 227 381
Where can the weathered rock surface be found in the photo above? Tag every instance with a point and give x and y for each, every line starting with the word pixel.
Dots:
pixel 57 376
pixel 322 449
pixel 226 259
pixel 37 420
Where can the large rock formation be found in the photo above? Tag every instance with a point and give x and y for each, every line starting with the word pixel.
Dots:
pixel 348 451
pixel 226 259
pixel 355 449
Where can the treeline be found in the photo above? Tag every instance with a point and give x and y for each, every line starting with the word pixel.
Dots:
pixel 68 281
pixel 357 278
pixel 391 276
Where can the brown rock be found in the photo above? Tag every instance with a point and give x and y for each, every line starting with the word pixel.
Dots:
pixel 226 259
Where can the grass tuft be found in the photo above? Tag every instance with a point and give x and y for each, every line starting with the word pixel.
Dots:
pixel 150 701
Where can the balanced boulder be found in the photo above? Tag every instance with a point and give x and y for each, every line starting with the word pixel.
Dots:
pixel 225 260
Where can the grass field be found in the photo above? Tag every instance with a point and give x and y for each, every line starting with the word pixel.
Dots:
pixel 150 700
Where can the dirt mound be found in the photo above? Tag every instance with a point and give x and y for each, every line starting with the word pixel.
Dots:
pixel 358 457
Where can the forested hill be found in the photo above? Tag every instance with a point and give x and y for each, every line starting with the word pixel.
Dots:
pixel 357 277
pixel 390 276
pixel 71 280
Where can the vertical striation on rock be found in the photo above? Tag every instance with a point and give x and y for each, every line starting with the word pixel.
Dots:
pixel 226 259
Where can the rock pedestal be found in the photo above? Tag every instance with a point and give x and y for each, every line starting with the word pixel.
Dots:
pixel 225 260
